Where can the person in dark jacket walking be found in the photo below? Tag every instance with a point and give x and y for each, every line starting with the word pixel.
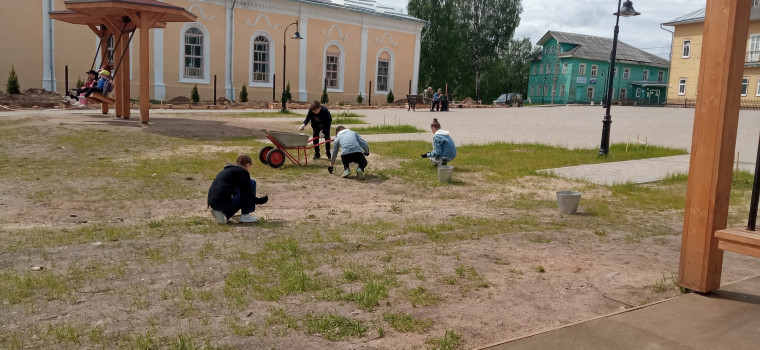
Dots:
pixel 321 120
pixel 233 190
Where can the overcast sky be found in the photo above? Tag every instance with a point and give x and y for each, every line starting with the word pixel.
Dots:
pixel 594 17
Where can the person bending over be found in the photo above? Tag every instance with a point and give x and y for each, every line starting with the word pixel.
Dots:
pixel 320 119
pixel 233 190
pixel 353 150
pixel 444 149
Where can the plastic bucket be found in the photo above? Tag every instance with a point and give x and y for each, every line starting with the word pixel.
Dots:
pixel 445 173
pixel 567 201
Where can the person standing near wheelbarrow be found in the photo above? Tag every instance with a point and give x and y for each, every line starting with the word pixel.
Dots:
pixel 321 120
pixel 233 190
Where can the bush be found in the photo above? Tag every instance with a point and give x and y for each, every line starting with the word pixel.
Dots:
pixel 288 96
pixel 389 98
pixel 194 94
pixel 359 99
pixel 80 83
pixel 243 94
pixel 12 87
pixel 324 98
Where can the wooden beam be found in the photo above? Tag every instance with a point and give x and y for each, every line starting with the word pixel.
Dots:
pixel 146 22
pixel 125 72
pixel 714 139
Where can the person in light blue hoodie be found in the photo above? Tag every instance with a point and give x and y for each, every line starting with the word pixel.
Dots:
pixel 444 149
pixel 353 150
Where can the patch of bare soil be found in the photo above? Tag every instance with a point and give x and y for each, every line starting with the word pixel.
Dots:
pixel 535 270
pixel 31 98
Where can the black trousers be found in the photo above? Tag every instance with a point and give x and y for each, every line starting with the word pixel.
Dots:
pixel 325 129
pixel 91 90
pixel 435 106
pixel 356 157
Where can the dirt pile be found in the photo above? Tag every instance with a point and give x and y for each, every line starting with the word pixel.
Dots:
pixel 31 98
pixel 179 100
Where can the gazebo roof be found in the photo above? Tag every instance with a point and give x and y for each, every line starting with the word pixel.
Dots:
pixel 92 12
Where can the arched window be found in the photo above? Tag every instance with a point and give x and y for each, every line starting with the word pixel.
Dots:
pixel 384 71
pixel 333 66
pixel 195 52
pixel 261 73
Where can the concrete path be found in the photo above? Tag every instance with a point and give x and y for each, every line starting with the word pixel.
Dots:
pixel 725 319
pixel 636 171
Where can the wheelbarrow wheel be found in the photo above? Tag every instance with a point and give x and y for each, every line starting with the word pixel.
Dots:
pixel 276 158
pixel 263 153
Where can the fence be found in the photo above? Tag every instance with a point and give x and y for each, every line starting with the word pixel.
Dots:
pixel 752 103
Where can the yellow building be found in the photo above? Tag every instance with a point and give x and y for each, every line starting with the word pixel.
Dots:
pixel 347 44
pixel 687 51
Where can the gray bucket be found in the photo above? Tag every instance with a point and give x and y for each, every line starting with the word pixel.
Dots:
pixel 568 201
pixel 445 173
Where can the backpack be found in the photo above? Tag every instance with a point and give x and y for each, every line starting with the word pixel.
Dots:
pixel 107 88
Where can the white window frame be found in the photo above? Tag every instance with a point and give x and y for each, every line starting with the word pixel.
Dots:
pixel 681 86
pixel 582 69
pixel 341 66
pixel 551 49
pixel 623 94
pixel 594 70
pixel 590 92
pixel 206 78
pixel 534 69
pixel 626 73
pixel 564 68
pixel 745 86
pixel 546 90
pixel 614 72
pixel 757 92
pixel 686 50
pixel 753 48
pixel 660 76
pixel 548 68
pixel 272 66
pixel 540 69
pixel 645 75
pixel 562 90
pixel 391 62
pixel 533 90
pixel 638 93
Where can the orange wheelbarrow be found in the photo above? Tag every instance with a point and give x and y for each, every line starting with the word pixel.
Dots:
pixel 285 141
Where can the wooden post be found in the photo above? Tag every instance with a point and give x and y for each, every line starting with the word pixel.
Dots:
pixel 144 69
pixel 118 93
pixel 125 70
pixel 713 142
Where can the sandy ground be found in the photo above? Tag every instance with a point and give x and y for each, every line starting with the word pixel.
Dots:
pixel 585 274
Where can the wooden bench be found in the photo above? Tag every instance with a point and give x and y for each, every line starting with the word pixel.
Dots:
pixel 104 101
pixel 412 100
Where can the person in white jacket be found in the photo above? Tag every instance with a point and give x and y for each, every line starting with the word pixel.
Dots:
pixel 353 150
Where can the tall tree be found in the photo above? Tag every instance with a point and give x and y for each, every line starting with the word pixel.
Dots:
pixel 488 27
pixel 508 72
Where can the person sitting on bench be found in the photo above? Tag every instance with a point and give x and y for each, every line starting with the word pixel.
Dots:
pixel 92 78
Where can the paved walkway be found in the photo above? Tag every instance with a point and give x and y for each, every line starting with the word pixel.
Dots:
pixel 725 319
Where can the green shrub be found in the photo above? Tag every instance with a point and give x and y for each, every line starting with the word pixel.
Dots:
pixel 194 94
pixel 359 99
pixel 243 94
pixel 288 96
pixel 389 98
pixel 80 83
pixel 324 99
pixel 12 87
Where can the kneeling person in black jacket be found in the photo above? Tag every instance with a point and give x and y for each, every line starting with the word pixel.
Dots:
pixel 233 190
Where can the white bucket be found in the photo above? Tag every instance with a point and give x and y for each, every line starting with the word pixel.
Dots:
pixel 445 173
pixel 567 201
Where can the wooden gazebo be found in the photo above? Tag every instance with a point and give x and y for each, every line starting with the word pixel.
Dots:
pixel 121 18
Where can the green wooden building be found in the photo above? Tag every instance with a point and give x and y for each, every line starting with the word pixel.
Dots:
pixel 574 68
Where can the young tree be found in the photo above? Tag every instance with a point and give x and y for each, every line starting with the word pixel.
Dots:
pixel 11 86
pixel 288 96
pixel 359 99
pixel 80 83
pixel 324 99
pixel 243 94
pixel 390 97
pixel 194 94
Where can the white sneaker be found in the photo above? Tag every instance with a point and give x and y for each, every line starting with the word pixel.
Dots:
pixel 219 216
pixel 360 173
pixel 346 173
pixel 248 218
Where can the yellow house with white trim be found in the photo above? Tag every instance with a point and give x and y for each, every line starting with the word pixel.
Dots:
pixel 347 44
pixel 687 52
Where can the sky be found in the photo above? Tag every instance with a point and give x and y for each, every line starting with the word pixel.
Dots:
pixel 594 17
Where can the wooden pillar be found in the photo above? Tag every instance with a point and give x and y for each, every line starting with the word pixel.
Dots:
pixel 125 68
pixel 713 142
pixel 145 69
pixel 103 61
pixel 119 69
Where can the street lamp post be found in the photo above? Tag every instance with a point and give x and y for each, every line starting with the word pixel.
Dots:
pixel 626 11
pixel 297 35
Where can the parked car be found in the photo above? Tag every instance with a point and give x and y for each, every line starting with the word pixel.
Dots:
pixel 513 99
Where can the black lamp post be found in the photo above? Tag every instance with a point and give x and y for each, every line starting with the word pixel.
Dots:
pixel 297 35
pixel 626 11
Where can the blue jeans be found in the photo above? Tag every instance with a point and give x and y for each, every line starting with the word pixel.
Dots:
pixel 237 204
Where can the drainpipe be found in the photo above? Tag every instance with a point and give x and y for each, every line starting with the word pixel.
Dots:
pixel 48 70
